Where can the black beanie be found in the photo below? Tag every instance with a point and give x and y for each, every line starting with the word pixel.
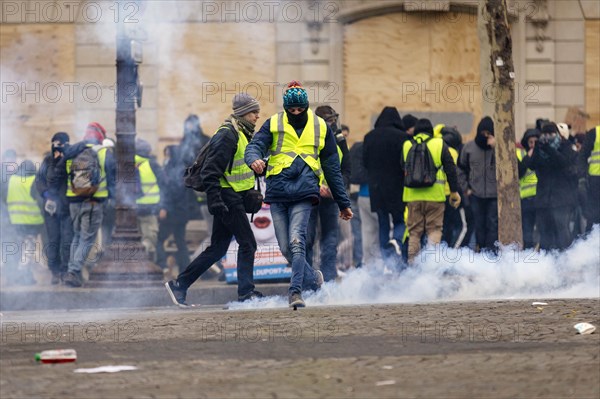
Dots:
pixel 486 124
pixel 61 137
pixel 409 121
pixel 424 126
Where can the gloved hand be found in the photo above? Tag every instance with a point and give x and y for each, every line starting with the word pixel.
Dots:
pixel 218 208
pixel 454 200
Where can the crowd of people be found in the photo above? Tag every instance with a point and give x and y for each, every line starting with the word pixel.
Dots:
pixel 408 184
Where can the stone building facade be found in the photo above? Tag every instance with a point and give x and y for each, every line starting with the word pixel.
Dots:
pixel 58 62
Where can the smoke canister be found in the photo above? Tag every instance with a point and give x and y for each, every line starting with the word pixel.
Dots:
pixel 56 356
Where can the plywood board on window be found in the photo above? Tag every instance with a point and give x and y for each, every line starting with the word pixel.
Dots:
pixel 206 65
pixel 37 60
pixel 592 72
pixel 425 62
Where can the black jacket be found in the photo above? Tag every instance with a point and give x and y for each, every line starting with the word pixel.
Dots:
pixel 50 185
pixel 180 202
pixel 382 157
pixel 556 173
pixel 358 173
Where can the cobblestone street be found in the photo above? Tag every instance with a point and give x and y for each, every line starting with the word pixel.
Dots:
pixel 486 349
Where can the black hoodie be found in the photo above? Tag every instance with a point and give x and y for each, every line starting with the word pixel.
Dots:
pixel 382 156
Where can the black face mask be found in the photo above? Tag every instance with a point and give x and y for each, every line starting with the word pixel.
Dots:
pixel 58 146
pixel 298 121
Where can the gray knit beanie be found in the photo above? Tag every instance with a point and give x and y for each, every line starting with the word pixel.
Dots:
pixel 244 103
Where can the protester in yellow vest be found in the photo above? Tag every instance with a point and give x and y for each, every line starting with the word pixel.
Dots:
pixel 228 179
pixel 527 186
pixel 22 200
pixel 426 204
pixel 589 175
pixel 302 151
pixel 86 211
pixel 149 200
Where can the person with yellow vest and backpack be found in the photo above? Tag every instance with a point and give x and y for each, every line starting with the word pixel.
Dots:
pixel 527 185
pixel 90 172
pixel 25 216
pixel 149 201
pixel 226 179
pixel 427 165
pixel 589 175
pixel 302 152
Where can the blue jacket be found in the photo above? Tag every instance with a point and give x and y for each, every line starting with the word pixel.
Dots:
pixel 299 182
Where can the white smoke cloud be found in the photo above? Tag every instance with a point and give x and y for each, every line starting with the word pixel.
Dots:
pixel 453 275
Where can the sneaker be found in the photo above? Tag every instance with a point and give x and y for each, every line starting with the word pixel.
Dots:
pixel 392 245
pixel 320 278
pixel 73 279
pixel 55 278
pixel 296 300
pixel 250 296
pixel 177 294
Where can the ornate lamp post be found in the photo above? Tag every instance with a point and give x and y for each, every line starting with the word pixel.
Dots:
pixel 125 261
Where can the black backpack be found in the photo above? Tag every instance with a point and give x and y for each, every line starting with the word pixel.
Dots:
pixel 419 169
pixel 192 177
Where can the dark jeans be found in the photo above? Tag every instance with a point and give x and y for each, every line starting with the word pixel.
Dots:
pixel 233 224
pixel 175 226
pixel 60 236
pixel 553 224
pixel 592 211
pixel 485 214
pixel 452 224
pixel 355 223
pixel 383 217
pixel 290 220
pixel 528 221
pixel 326 213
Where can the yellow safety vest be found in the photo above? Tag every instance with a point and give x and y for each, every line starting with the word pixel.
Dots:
pixel 241 177
pixel 527 183
pixel 287 145
pixel 594 159
pixel 454 154
pixel 340 155
pixel 434 193
pixel 22 208
pixel 150 189
pixel 102 191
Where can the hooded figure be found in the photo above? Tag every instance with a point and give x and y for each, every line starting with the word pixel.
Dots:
pixel 193 139
pixel 382 155
pixel 478 162
pixel 553 160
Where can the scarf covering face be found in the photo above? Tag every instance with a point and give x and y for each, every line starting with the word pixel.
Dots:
pixel 242 124
pixel 298 121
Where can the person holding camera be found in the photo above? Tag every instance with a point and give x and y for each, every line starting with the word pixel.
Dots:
pixel 554 162
pixel 228 181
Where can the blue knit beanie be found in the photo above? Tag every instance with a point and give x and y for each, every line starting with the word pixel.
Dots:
pixel 295 96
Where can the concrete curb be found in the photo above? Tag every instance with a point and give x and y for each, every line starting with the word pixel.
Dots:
pixel 65 298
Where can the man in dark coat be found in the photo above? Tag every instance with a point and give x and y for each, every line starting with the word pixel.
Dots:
pixel 554 162
pixel 382 155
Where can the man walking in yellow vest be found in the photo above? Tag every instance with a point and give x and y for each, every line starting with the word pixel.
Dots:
pixel 303 151
pixel 26 219
pixel 90 172
pixel 149 200
pixel 589 170
pixel 227 179
pixel 426 204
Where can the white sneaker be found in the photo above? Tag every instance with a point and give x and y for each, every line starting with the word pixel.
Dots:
pixel 320 278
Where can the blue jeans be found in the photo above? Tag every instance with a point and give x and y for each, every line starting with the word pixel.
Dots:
pixel 290 220
pixel 383 218
pixel 87 218
pixel 327 212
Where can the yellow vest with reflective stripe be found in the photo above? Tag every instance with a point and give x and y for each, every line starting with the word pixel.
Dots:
pixel 22 208
pixel 241 177
pixel 287 145
pixel 434 193
pixel 594 159
pixel 102 191
pixel 150 189
pixel 454 154
pixel 527 183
